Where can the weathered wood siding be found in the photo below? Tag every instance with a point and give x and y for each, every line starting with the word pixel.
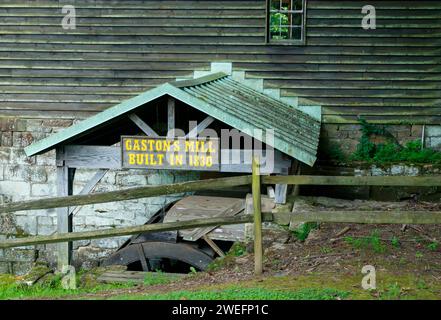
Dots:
pixel 121 48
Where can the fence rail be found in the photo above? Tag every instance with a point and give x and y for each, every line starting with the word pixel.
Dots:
pixel 376 217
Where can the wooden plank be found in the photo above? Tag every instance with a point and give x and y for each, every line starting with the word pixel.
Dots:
pixel 93 157
pixel 109 157
pixel 64 221
pixel 142 258
pixel 143 126
pixel 229 211
pixel 372 217
pixel 214 246
pixel 280 193
pixel 171 121
pixel 200 127
pixel 116 232
pixel 137 277
pixel 88 188
pixel 430 181
pixel 128 194
pixel 258 249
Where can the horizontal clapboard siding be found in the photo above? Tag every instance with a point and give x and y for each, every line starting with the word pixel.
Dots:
pixel 121 48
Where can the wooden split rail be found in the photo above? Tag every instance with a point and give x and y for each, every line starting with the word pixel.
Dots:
pixel 374 217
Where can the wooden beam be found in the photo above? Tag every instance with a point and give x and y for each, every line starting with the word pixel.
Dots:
pixel 200 127
pixel 171 121
pixel 109 157
pixel 108 233
pixel 374 217
pixel 92 157
pixel 431 181
pixel 214 246
pixel 88 188
pixel 128 194
pixel 64 220
pixel 257 202
pixel 143 126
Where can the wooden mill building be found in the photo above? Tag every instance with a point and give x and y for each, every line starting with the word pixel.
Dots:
pixel 313 56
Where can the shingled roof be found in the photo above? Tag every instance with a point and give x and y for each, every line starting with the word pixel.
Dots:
pixel 229 101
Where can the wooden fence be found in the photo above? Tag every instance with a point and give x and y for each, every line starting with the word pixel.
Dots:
pixel 374 217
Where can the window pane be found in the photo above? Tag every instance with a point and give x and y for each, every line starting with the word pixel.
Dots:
pixel 296 19
pixel 284 23
pixel 297 5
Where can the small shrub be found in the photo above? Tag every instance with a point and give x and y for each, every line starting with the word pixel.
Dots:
pixel 395 242
pixel 304 230
pixel 433 246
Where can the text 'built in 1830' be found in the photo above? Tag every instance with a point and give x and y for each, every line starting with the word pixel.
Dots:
pixel 200 154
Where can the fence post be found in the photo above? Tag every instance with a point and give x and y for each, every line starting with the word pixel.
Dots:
pixel 258 250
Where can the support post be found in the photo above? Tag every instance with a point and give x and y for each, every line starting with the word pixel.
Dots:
pixel 258 250
pixel 281 191
pixel 171 117
pixel 64 219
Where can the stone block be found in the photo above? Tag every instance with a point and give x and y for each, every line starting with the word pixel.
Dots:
pixel 57 123
pixel 110 243
pixel 100 221
pixel 397 170
pixel 36 125
pixel 131 180
pixel 20 255
pixel 434 143
pixel 46 159
pixel 18 190
pixel 5 267
pixel 25 173
pixel 377 171
pixel 50 221
pixel 6 139
pixel 433 131
pixel 21 268
pixel 46 230
pixel 411 171
pixel 18 156
pixel 27 223
pixel 416 131
pixel 5 155
pixel 43 190
pixel 24 139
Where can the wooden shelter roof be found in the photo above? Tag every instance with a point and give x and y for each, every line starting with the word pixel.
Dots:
pixel 218 95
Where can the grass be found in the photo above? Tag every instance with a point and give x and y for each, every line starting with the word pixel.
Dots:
pixel 157 278
pixel 314 286
pixel 238 293
pixel 370 242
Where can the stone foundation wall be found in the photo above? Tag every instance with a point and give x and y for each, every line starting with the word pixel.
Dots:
pixel 347 136
pixel 23 178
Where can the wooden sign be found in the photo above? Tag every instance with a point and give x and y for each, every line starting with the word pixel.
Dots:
pixel 200 154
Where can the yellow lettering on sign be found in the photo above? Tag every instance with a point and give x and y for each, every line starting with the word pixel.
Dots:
pixel 177 146
pixel 128 145
pixel 131 159
pixel 151 143
pixel 143 145
pixel 189 146
pixel 136 146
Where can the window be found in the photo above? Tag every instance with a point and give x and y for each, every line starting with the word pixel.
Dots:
pixel 286 21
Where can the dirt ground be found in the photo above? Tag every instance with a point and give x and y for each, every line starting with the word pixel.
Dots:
pixel 408 265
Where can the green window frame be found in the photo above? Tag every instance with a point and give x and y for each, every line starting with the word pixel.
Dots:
pixel 286 22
